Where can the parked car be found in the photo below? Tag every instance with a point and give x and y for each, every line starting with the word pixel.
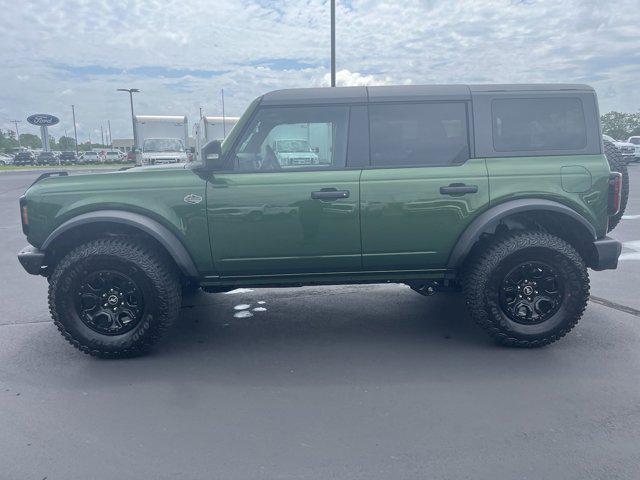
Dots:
pixel 112 157
pixel 47 158
pixel 627 150
pixel 90 157
pixel 635 140
pixel 5 160
pixel 68 158
pixel 25 157
pixel 503 192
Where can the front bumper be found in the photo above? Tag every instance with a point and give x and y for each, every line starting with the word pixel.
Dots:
pixel 607 251
pixel 32 259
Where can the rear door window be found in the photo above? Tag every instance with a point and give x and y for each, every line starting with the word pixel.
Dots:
pixel 426 134
pixel 538 124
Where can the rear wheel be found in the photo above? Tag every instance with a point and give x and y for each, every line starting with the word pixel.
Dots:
pixel 617 164
pixel 113 297
pixel 527 289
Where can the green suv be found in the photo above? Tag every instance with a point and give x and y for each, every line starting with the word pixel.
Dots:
pixel 502 191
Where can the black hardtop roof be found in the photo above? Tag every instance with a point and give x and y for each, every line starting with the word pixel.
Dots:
pixel 335 95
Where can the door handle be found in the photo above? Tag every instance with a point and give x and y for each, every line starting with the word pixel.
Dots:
pixel 329 194
pixel 456 189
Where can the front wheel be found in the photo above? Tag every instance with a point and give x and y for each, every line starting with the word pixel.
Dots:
pixel 527 289
pixel 113 297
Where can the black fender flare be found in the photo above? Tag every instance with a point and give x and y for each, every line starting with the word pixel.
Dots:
pixel 162 234
pixel 489 219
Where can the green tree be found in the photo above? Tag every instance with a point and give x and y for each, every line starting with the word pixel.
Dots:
pixel 7 140
pixel 66 143
pixel 30 140
pixel 620 125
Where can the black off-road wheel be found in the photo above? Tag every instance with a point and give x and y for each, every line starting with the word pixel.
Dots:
pixel 114 297
pixel 616 164
pixel 527 289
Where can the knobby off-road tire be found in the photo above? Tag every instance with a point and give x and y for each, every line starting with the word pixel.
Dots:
pixel 139 283
pixel 488 285
pixel 616 164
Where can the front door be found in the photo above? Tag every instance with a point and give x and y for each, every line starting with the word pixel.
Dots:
pixel 288 205
pixel 423 190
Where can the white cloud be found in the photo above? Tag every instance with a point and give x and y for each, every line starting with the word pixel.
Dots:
pixel 346 78
pixel 180 54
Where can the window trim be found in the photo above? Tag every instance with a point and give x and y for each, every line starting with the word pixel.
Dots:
pixel 541 152
pixel 468 105
pixel 230 164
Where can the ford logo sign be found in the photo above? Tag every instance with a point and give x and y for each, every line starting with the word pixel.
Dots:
pixel 43 120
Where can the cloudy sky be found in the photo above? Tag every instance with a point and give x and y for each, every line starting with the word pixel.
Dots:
pixel 181 53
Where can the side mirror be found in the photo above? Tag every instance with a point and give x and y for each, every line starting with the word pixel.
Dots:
pixel 212 155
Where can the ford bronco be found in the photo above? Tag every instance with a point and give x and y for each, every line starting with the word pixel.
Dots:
pixel 501 191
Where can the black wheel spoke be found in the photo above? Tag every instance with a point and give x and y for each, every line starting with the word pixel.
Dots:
pixel 109 302
pixel 531 293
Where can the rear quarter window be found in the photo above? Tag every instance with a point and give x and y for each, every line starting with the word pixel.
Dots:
pixel 538 124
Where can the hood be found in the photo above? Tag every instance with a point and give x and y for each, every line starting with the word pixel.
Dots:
pixel 163 154
pixel 624 144
pixel 162 166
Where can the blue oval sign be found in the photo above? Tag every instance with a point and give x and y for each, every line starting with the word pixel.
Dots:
pixel 43 120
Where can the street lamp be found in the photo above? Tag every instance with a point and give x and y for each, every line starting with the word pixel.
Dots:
pixel 133 121
pixel 333 43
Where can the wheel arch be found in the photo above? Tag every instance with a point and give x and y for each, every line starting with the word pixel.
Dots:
pixel 123 221
pixel 555 217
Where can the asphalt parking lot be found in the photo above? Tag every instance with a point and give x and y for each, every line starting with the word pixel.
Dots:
pixel 357 382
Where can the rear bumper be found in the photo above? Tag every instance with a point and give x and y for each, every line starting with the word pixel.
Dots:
pixel 31 259
pixel 607 251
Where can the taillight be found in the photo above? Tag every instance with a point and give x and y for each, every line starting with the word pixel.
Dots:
pixel 24 214
pixel 615 192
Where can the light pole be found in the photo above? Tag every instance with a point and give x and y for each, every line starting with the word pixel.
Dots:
pixel 75 131
pixel 110 137
pixel 333 43
pixel 133 120
pixel 224 126
pixel 16 122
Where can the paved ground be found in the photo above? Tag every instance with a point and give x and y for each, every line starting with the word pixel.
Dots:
pixel 344 382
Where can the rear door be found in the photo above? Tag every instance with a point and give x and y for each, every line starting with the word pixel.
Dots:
pixel 422 189
pixel 289 205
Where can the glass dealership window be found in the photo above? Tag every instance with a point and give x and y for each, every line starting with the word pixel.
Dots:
pixel 294 138
pixel 538 124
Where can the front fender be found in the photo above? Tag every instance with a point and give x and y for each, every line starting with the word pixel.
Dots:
pixel 163 235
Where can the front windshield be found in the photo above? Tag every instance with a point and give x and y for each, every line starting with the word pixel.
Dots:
pixel 290 146
pixel 162 145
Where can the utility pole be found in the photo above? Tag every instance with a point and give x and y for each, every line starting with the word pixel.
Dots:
pixel 333 43
pixel 110 137
pixel 224 123
pixel 16 122
pixel 133 119
pixel 75 131
pixel 200 113
pixel 102 134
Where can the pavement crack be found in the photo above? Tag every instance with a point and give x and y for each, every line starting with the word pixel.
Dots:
pixel 615 306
